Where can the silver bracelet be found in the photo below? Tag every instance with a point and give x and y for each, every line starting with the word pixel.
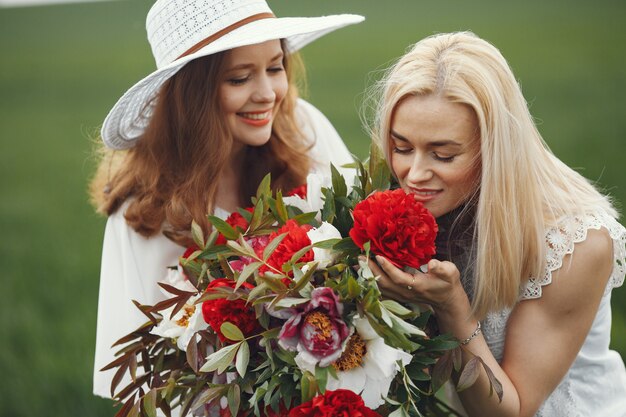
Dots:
pixel 473 335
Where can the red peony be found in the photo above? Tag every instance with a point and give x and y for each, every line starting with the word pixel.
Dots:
pixel 237 312
pixel 397 227
pixel 338 403
pixel 237 221
pixel 189 251
pixel 299 191
pixel 295 240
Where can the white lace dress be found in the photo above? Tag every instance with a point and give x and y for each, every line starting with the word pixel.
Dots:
pixel 595 385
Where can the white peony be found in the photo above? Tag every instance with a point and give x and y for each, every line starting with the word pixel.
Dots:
pixel 188 320
pixel 324 232
pixel 185 323
pixel 314 201
pixel 373 377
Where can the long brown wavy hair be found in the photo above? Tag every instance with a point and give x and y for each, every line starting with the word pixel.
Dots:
pixel 171 176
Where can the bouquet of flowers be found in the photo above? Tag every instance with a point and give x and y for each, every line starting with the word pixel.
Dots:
pixel 277 313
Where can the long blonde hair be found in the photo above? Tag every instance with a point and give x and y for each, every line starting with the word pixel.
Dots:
pixel 173 172
pixel 523 187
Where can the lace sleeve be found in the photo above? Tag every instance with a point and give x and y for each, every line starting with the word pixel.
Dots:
pixel 560 241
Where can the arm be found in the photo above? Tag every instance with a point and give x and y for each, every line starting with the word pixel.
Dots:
pixel 543 335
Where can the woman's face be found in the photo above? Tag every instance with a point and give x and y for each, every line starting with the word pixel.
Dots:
pixel 252 87
pixel 434 151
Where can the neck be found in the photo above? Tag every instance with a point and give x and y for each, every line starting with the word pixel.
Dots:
pixel 228 191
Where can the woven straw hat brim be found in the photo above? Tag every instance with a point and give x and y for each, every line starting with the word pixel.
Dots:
pixel 128 119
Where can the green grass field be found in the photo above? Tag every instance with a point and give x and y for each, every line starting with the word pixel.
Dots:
pixel 63 67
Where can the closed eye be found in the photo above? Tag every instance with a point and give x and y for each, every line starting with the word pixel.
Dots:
pixel 238 81
pixel 402 150
pixel 443 158
pixel 276 69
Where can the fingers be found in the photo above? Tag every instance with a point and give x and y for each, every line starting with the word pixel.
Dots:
pixel 445 270
pixel 393 282
pixel 398 276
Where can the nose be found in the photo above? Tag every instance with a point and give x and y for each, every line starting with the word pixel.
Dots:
pixel 419 172
pixel 264 92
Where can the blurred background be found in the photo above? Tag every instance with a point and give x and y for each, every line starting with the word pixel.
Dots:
pixel 62 67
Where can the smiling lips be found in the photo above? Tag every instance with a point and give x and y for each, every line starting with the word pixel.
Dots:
pixel 256 118
pixel 424 195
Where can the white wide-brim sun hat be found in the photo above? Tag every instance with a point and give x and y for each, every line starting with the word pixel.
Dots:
pixel 180 31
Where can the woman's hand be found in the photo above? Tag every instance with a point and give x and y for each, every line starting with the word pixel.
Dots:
pixel 440 287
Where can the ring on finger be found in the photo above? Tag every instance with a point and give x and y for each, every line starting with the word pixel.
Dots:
pixel 410 286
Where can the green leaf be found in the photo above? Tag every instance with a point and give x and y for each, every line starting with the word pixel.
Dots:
pixel 192 353
pixel 400 412
pixel 442 371
pixel 339 182
pixel 396 308
pixel 257 291
pixel 288 302
pixel 494 385
pixel 345 202
pixel 271 247
pixel 257 215
pixel 328 209
pixel 134 411
pixel 234 399
pixel 296 256
pixel 241 249
pixel 197 234
pixel 247 271
pixel 149 403
pixel 264 188
pixel 308 386
pixel 126 408
pixel 232 332
pixel 469 375
pixel 321 375
pixel 221 359
pixel 243 359
pixel 405 327
pixel 354 289
pixel 207 395
pixel 212 238
pixel 378 169
pixel 224 228
pixel 281 210
pixel 213 251
pixel 386 316
pixel 326 244
pixel 305 218
pixel 346 244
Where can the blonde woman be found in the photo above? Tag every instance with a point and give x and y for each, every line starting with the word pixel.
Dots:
pixel 197 136
pixel 529 250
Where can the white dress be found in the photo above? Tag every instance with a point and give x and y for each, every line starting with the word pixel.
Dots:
pixel 132 264
pixel 595 384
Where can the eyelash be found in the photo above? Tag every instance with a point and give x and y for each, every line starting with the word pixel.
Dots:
pixel 445 159
pixel 238 81
pixel 401 151
pixel 241 81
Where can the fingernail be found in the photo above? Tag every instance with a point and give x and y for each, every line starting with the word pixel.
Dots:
pixel 380 260
pixel 362 258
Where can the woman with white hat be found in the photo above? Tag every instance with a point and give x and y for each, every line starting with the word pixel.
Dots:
pixel 198 135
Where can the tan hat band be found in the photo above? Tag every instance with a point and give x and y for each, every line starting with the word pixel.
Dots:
pixel 225 31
